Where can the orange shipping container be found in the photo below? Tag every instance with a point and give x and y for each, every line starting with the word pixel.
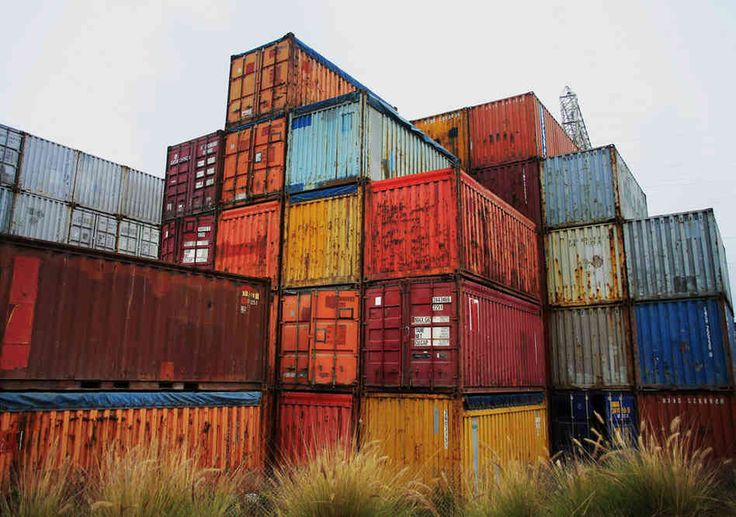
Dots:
pixel 223 428
pixel 248 240
pixel 255 158
pixel 320 331
pixel 281 75
pixel 451 130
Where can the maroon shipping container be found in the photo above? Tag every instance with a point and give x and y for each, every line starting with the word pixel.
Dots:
pixel 309 422
pixel 190 241
pixel 77 316
pixel 450 334
pixel 444 222
pixel 193 176
pixel 516 183
pixel 711 416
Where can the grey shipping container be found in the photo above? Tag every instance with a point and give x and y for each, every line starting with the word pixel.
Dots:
pixel 97 184
pixel 676 256
pixel 11 143
pixel 47 169
pixel 590 347
pixel 6 207
pixel 141 197
pixel 137 238
pixel 92 229
pixel 589 187
pixel 37 217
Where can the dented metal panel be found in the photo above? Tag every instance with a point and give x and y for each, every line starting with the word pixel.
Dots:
pixel 141 196
pixel 452 131
pixel 249 240
pixel 675 256
pixel 37 217
pixel 516 183
pixel 322 239
pixel 91 316
pixel 97 184
pixel 585 265
pixel 11 145
pixel 138 239
pixel 92 229
pixel 590 347
pixel 48 169
pixel 590 187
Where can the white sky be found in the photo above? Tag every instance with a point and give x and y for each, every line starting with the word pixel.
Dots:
pixel 122 80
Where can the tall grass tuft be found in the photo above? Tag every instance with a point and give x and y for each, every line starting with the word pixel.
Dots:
pixel 513 491
pixel 339 481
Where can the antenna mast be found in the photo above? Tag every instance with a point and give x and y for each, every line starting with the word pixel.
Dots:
pixel 572 119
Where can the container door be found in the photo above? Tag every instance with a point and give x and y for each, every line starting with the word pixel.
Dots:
pixel 621 417
pixel 197 238
pixel 383 360
pixel 204 183
pixel 296 319
pixel 334 337
pixel 269 157
pixel 177 185
pixel 431 334
pixel 169 241
pixel 243 77
pixel 274 77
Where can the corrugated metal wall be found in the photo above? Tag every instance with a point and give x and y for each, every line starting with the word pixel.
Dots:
pixel 38 217
pixel 98 184
pixel 91 229
pixel 11 143
pixel 141 197
pixel 6 209
pixel 138 239
pixel 48 168
pixel 452 131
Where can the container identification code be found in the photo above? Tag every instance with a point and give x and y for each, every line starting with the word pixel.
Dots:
pixel 442 299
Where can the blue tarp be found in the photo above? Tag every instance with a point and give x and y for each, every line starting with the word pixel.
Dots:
pixel 341 190
pixel 499 400
pixel 57 401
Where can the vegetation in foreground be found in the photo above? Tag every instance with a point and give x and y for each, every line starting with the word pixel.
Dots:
pixel 668 477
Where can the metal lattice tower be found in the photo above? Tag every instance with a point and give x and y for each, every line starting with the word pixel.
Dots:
pixel 572 119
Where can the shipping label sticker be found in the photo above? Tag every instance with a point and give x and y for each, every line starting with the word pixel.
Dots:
pixel 423 332
pixel 204 229
pixel 190 244
pixel 438 307
pixel 188 257
pixel 200 163
pixel 440 319
pixel 421 320
pixel 446 429
pixel 210 171
pixel 210 161
pixel 199 184
pixel 421 342
pixel 440 332
pixel 259 157
pixel 200 174
pixel 442 299
pixel 377 302
pixel 441 342
pixel 210 182
pixel 203 243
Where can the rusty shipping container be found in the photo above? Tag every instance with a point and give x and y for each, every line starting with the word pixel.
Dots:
pixel 322 237
pixel 709 417
pixel 593 186
pixel 590 347
pixel 249 240
pixel 193 175
pixel 190 241
pixel 514 129
pixel 279 76
pixel 42 429
pixel 353 137
pixel 255 161
pixel 459 439
pixel 320 337
pixel 450 335
pixel 585 265
pixel 516 183
pixel 445 222
pixel 452 131
pixel 309 422
pixel 676 256
pixel 83 318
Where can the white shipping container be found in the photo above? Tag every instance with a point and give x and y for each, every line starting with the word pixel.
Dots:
pixel 47 169
pixel 141 196
pixel 95 230
pixel 97 184
pixel 137 238
pixel 11 142
pixel 37 217
pixel 6 206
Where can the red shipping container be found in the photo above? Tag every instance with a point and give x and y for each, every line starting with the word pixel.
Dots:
pixel 320 334
pixel 437 333
pixel 189 241
pixel 255 161
pixel 516 183
pixel 193 172
pixel 310 422
pixel 710 416
pixel 514 129
pixel 79 315
pixel 248 240
pixel 444 222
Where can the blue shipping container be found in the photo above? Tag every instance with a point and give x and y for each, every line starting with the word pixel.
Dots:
pixel 684 344
pixel 590 187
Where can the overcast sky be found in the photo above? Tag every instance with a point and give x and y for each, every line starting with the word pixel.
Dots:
pixel 123 80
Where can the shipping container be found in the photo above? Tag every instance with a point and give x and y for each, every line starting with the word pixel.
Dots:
pixel 352 137
pixel 685 343
pixel 37 217
pixel 7 197
pixel 589 187
pixel 249 240
pixel 676 256
pixel 92 229
pixel 308 423
pixel 452 131
pixel 193 175
pixel 138 239
pixel 223 430
pixel 450 335
pixel 585 265
pixel 320 336
pixel 255 161
pixel 279 76
pixel 516 183
pixel 89 317
pixel 445 222
pixel 709 418
pixel 190 241
pixel 322 237
pixel 11 144
pixel 590 347
pixel 579 417
pixel 460 439
pixel 514 129
pixel 141 197
pixel 97 184
pixel 48 169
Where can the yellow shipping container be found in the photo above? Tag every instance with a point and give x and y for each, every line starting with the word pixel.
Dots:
pixel 456 438
pixel 322 237
pixel 451 131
